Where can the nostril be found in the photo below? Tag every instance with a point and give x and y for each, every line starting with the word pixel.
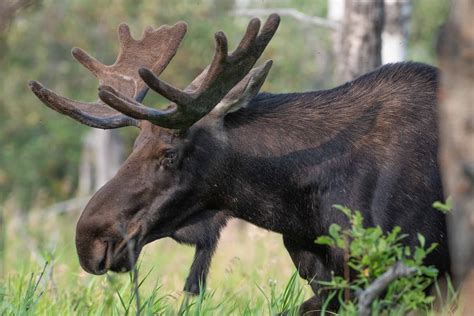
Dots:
pixel 104 262
pixel 101 266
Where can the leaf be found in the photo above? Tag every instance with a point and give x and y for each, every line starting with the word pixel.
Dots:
pixel 358 219
pixel 446 207
pixel 325 240
pixel 431 271
pixel 334 230
pixel 420 254
pixel 343 209
pixel 422 240
pixel 340 243
pixel 431 248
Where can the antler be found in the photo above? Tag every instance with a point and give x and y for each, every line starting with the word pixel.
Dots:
pixel 155 49
pixel 208 89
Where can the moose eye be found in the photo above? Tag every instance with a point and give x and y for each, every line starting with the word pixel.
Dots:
pixel 169 158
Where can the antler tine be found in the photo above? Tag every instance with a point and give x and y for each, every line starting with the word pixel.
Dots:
pixel 87 61
pixel 249 38
pixel 218 61
pixel 124 34
pixel 268 30
pixel 179 96
pixel 86 113
pixel 129 106
pixel 212 85
pixel 162 87
pixel 155 49
pixel 249 49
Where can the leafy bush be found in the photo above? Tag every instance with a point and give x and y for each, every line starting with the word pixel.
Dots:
pixel 369 252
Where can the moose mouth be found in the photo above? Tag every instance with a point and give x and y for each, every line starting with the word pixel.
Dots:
pixel 120 256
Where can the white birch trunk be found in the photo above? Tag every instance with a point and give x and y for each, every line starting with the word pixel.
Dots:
pixel 360 39
pixel 101 158
pixel 395 33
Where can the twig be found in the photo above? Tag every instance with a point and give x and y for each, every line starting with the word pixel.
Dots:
pixel 367 296
pixel 295 14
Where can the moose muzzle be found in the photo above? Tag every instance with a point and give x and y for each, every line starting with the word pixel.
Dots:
pixel 99 255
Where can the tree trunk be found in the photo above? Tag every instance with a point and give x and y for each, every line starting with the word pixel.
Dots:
pixel 102 156
pixel 336 11
pixel 360 40
pixel 456 95
pixel 395 32
pixel 109 155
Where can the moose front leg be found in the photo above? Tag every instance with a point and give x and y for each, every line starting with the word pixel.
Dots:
pixel 202 231
pixel 311 263
pixel 197 276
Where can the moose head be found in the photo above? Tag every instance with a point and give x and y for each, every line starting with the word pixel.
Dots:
pixel 166 179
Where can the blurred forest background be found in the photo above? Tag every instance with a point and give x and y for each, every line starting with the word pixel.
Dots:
pixel 47 158
pixel 41 151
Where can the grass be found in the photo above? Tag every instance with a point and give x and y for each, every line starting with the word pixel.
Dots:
pixel 251 274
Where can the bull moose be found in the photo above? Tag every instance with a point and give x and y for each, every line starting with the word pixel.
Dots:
pixel 221 149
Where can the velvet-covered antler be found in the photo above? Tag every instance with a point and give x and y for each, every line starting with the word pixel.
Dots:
pixel 154 50
pixel 227 77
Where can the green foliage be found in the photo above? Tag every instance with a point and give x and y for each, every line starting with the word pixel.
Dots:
pixel 370 252
pixel 446 207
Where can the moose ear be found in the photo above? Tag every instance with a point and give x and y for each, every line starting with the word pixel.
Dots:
pixel 241 95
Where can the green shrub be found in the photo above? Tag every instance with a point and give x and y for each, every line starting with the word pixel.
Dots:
pixel 369 252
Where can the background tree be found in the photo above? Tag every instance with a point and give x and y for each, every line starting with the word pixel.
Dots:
pixel 102 155
pixel 395 31
pixel 360 39
pixel 457 139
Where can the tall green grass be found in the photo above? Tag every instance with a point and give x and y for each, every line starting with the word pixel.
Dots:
pixel 251 274
pixel 32 294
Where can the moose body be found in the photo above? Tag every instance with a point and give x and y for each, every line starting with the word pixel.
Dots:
pixel 370 144
pixel 279 161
